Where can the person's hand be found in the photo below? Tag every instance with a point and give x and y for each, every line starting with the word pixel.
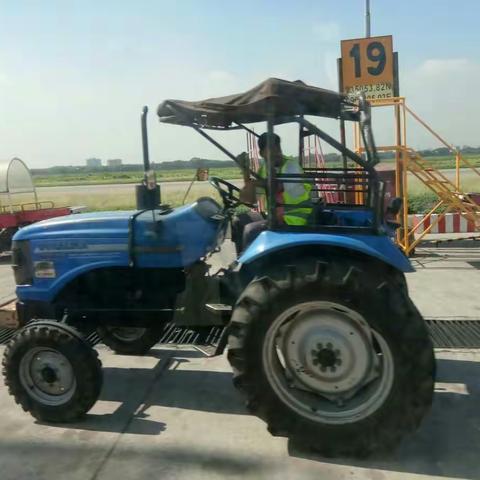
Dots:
pixel 243 161
pixel 248 193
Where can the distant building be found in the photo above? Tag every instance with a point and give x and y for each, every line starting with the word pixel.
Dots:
pixel 93 162
pixel 114 162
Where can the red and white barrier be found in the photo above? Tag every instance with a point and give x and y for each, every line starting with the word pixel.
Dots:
pixel 450 223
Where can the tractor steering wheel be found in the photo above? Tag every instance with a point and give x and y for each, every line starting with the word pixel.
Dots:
pixel 229 192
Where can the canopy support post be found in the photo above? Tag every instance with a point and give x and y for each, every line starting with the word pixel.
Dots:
pixel 337 145
pixel 271 178
pixel 249 130
pixel 221 148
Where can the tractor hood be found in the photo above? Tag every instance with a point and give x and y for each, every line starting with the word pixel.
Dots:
pixel 104 224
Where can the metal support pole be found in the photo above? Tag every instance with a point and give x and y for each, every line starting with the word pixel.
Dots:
pixel 367 18
pixel 405 161
pixel 301 156
pixel 222 149
pixel 343 136
pixel 271 180
pixel 399 166
pixel 146 158
pixel 457 171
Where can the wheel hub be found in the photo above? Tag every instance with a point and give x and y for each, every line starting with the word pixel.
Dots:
pixel 328 350
pixel 324 362
pixel 326 357
pixel 48 375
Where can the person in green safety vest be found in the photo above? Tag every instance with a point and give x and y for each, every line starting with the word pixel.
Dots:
pixel 294 198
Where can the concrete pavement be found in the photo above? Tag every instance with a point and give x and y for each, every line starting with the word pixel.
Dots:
pixel 174 414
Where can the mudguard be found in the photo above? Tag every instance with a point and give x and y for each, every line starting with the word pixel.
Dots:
pixel 76 244
pixel 377 246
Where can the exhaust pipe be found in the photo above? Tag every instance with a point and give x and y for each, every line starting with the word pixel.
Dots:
pixel 148 192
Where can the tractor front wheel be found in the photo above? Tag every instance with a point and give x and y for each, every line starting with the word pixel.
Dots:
pixel 52 372
pixel 332 356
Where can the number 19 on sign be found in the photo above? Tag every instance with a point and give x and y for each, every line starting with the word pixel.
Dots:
pixel 367 65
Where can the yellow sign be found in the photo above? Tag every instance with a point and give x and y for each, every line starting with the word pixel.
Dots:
pixel 367 66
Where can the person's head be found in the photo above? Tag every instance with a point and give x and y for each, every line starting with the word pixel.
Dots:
pixel 276 149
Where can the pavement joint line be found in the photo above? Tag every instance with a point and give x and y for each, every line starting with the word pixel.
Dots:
pixel 159 368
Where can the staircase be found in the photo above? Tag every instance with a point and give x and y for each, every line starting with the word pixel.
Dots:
pixel 445 189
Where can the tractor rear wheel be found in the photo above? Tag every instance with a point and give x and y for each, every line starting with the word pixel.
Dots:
pixel 52 372
pixel 130 340
pixel 333 356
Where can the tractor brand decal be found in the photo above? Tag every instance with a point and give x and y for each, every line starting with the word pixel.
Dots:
pixel 80 247
pixel 44 269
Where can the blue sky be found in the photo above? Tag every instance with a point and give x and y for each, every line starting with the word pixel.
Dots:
pixel 75 74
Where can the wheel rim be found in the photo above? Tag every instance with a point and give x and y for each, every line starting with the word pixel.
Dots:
pixel 127 334
pixel 47 375
pixel 325 363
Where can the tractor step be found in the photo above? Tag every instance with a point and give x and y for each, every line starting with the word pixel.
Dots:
pixel 218 307
pixel 205 339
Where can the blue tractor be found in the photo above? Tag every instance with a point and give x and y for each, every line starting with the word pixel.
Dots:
pixel 323 339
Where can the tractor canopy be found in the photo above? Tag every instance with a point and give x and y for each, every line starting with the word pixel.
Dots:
pixel 273 97
pixel 354 188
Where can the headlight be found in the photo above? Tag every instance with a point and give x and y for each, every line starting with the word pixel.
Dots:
pixel 22 262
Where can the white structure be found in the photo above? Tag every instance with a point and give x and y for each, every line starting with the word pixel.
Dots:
pixel 93 162
pixel 114 162
pixel 15 177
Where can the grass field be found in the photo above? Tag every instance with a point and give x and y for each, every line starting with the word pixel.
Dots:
pixel 128 177
pixel 122 196
pixel 184 174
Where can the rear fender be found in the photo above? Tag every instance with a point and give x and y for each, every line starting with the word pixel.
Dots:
pixel 379 247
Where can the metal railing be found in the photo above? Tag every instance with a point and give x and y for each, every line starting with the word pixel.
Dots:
pixel 451 198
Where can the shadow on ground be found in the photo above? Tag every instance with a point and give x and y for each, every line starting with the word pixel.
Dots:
pixel 138 389
pixel 53 460
pixel 448 442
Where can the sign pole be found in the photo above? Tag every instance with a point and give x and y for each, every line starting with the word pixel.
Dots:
pixel 367 18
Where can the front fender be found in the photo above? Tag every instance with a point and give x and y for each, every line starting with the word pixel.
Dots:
pixel 45 290
pixel 377 246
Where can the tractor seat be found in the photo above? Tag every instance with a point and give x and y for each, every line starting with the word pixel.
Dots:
pixel 322 216
pixel 207 207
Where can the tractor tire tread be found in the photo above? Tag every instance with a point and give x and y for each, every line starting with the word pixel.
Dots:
pixel 262 297
pixel 89 375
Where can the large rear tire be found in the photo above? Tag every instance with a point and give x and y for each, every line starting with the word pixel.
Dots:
pixel 333 355
pixel 52 372
pixel 130 340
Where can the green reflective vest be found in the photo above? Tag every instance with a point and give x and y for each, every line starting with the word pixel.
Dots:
pixel 295 196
